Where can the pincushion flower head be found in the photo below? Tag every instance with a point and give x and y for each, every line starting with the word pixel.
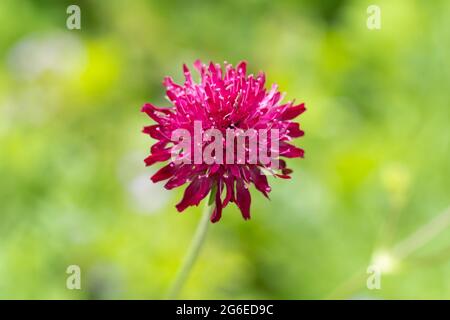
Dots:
pixel 221 135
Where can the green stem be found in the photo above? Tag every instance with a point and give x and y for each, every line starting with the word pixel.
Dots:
pixel 193 252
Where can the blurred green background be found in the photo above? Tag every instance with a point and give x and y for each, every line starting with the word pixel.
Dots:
pixel 74 189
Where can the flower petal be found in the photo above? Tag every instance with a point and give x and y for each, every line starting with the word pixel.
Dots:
pixel 153 131
pixel 157 157
pixel 217 214
pixel 164 173
pixel 289 151
pixel 292 112
pixel 194 193
pixel 229 196
pixel 294 130
pixel 260 181
pixel 155 112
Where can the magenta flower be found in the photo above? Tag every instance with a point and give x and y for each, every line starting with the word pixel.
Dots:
pixel 224 100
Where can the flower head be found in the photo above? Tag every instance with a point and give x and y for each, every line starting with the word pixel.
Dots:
pixel 225 103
